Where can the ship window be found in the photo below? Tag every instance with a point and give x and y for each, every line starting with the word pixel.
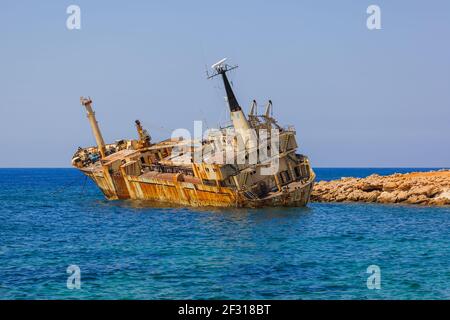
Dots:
pixel 288 176
pixel 285 175
pixel 226 183
pixel 297 171
pixel 209 182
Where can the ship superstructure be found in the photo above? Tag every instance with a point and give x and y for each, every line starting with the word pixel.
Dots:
pixel 250 163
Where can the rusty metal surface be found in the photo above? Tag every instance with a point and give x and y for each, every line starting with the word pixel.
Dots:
pixel 103 185
pixel 177 191
pixel 119 155
pixel 120 186
pixel 189 191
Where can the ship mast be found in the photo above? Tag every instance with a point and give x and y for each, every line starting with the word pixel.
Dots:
pixel 240 122
pixel 87 103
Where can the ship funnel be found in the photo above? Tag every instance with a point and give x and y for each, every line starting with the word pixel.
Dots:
pixel 87 103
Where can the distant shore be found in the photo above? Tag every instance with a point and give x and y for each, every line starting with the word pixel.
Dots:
pixel 422 188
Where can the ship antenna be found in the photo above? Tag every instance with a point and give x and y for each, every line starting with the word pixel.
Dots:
pixel 220 68
pixel 240 122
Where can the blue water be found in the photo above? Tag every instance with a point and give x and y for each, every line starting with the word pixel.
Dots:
pixel 53 218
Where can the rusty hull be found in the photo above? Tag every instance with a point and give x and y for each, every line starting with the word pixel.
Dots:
pixel 178 189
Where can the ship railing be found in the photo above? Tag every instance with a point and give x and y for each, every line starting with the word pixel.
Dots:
pixel 289 128
pixel 169 169
pixel 248 193
pixel 227 124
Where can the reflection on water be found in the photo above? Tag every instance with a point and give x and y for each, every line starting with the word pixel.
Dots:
pixel 208 213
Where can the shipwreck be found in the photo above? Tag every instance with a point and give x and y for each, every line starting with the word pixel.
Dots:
pixel 251 162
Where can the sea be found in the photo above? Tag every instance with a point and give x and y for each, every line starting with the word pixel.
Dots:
pixel 60 239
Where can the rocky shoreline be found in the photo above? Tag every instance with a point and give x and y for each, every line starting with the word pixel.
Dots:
pixel 421 188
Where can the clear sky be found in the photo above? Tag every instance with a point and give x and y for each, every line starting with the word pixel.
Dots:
pixel 357 97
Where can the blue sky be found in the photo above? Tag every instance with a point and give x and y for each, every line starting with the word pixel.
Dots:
pixel 365 98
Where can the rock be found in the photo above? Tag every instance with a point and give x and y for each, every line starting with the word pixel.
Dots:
pixel 440 201
pixel 341 197
pixel 417 199
pixel 387 197
pixel 428 191
pixel 372 196
pixel 425 188
pixel 390 186
pixel 404 186
pixel 434 190
pixel 355 195
pixel 402 196
pixel 371 186
pixel 443 197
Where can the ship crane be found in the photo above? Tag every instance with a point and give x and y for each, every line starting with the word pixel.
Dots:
pixel 87 103
pixel 144 137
